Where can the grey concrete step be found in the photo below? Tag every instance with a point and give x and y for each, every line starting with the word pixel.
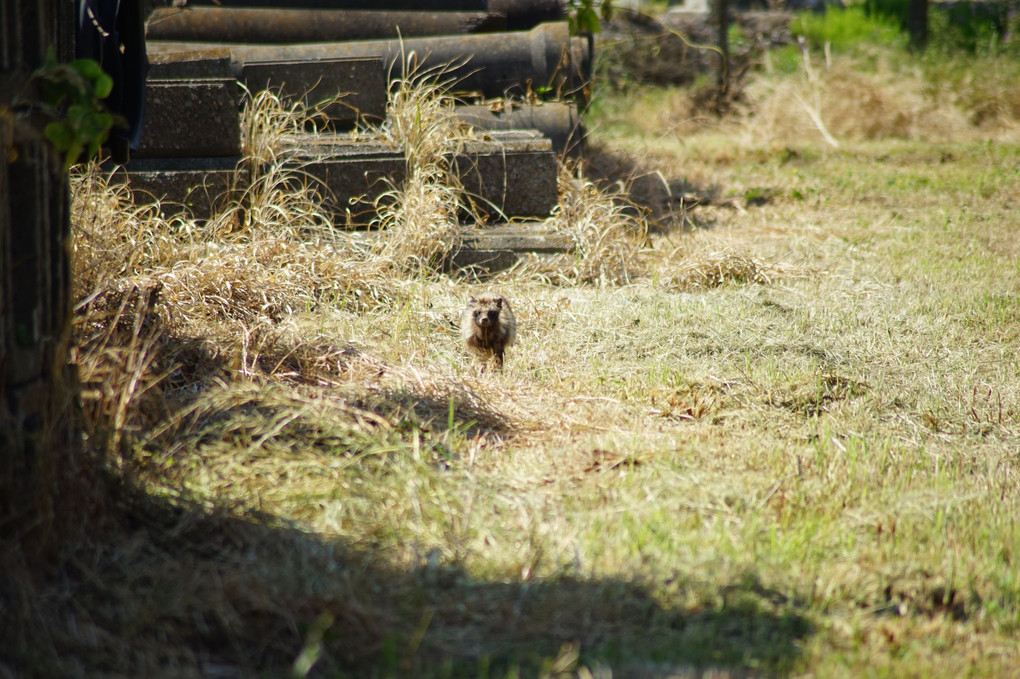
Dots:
pixel 197 186
pixel 193 117
pixel 496 248
pixel 507 173
pixel 358 84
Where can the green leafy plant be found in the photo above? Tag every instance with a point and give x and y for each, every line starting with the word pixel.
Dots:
pixel 584 15
pixel 847 28
pixel 71 95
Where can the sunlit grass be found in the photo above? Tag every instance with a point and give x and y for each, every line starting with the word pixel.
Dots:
pixel 783 443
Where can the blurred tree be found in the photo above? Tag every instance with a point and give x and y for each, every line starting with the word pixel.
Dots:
pixel 917 23
pixel 44 472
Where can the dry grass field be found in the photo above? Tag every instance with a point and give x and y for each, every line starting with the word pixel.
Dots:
pixel 775 432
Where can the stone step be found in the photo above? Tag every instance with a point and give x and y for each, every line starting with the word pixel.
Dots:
pixel 497 248
pixel 197 186
pixel 357 83
pixel 193 117
pixel 560 121
pixel 507 173
pixel 193 105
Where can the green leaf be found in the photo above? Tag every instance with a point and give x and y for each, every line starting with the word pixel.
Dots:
pixel 59 134
pixel 588 20
pixel 104 85
pixel 72 153
pixel 78 114
pixel 88 68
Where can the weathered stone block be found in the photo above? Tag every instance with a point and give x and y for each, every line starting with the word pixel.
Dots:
pixel 482 261
pixel 510 174
pixel 496 64
pixel 521 237
pixel 196 186
pixel 269 25
pixel 559 121
pixel 513 173
pixel 361 81
pixel 188 118
pixel 445 5
pixel 204 63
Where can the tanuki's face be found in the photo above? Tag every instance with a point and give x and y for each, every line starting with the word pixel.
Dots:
pixel 486 317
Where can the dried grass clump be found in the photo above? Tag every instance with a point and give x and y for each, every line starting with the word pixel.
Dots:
pixel 272 254
pixel 114 240
pixel 420 222
pixel 700 265
pixel 984 91
pixel 843 100
pixel 277 257
pixel 420 118
pixel 117 348
pixel 266 120
pixel 164 306
pixel 604 229
pixel 420 219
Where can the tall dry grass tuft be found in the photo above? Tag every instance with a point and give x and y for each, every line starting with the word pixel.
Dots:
pixel 118 349
pixel 420 218
pixel 604 228
pixel 420 222
pixel 115 241
pixel 420 117
pixel 169 304
pixel 850 98
pixel 267 118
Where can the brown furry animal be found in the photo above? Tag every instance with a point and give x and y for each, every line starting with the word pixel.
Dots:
pixel 488 326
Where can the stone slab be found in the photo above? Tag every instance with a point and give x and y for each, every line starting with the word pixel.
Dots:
pixel 544 59
pixel 444 5
pixel 268 25
pixel 497 248
pixel 559 121
pixel 206 63
pixel 195 186
pixel 512 171
pixel 361 81
pixel 520 237
pixel 507 174
pixel 487 261
pixel 188 118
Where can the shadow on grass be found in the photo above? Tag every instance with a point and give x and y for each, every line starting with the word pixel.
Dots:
pixel 670 202
pixel 165 589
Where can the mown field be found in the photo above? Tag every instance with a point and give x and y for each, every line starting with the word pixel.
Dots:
pixel 775 431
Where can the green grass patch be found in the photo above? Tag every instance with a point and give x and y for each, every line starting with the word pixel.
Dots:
pixel 849 27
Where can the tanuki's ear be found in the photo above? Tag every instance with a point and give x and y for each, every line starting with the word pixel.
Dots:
pixel 499 302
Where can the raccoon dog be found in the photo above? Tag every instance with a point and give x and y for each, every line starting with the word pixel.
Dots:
pixel 488 327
